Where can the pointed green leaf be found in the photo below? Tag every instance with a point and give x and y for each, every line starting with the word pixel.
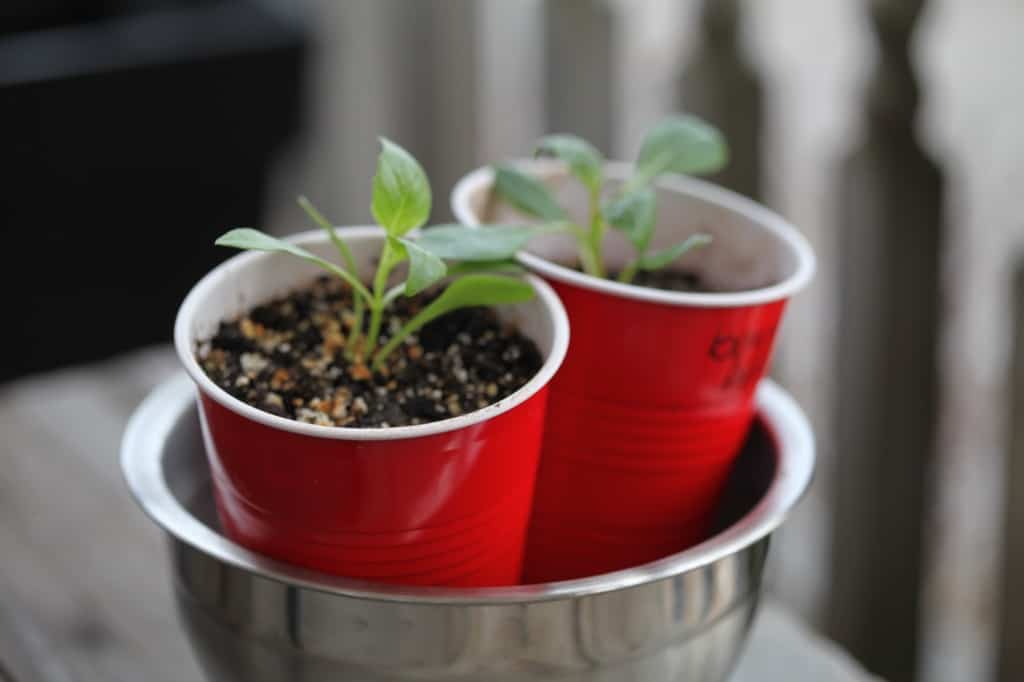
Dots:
pixel 471 290
pixel 585 162
pixel 680 144
pixel 401 191
pixel 659 259
pixel 254 240
pixel 509 267
pixel 484 243
pixel 527 194
pixel 424 268
pixel 480 289
pixel 635 215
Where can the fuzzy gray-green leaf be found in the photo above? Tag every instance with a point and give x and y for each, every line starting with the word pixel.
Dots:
pixel 680 144
pixel 634 214
pixel 401 191
pixel 526 193
pixel 424 268
pixel 585 162
pixel 659 259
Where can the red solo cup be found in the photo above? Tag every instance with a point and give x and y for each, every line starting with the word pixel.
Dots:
pixel 650 409
pixel 385 552
pixel 445 503
pixel 483 574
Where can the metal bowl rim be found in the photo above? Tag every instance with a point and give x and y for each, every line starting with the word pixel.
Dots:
pixel 150 425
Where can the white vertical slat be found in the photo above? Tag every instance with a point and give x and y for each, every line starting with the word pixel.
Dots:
pixel 581 45
pixel 450 95
pixel 360 77
pixel 811 110
pixel 720 82
pixel 618 59
pixel 970 55
pixel 653 38
pixel 892 236
pixel 405 70
pixel 1011 636
pixel 510 85
pixel 612 67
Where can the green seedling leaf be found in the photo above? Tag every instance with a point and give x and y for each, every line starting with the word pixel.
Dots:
pixel 659 259
pixel 486 243
pixel 481 289
pixel 471 290
pixel 253 240
pixel 424 268
pixel 401 191
pixel 527 194
pixel 509 267
pixel 634 214
pixel 680 144
pixel 584 160
pixel 392 254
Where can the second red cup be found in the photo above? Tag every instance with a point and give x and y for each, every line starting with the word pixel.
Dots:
pixel 655 397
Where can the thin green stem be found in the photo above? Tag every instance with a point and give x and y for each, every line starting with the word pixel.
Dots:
pixel 393 293
pixel 642 177
pixel 317 217
pixel 410 327
pixel 587 260
pixel 629 272
pixel 357 329
pixel 391 345
pixel 380 281
pixel 596 237
pixel 357 286
pixel 371 336
pixel 350 263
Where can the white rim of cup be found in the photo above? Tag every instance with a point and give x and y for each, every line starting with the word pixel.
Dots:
pixel 771 222
pixel 184 345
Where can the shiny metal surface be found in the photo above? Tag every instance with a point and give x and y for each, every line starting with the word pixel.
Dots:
pixel 680 619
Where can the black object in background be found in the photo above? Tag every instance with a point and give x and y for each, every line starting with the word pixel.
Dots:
pixel 133 132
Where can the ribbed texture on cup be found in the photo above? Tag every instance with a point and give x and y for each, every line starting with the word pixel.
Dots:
pixel 449 509
pixel 644 423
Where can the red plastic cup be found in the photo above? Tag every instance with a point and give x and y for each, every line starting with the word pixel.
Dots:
pixel 651 406
pixel 444 504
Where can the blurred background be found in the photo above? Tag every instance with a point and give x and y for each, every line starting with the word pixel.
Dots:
pixel 136 131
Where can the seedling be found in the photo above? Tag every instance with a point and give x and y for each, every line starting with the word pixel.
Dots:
pixel 676 145
pixel 401 204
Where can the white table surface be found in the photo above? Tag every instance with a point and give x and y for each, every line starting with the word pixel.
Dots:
pixel 84 593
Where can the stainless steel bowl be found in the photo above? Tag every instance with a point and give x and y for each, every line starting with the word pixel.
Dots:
pixel 252 619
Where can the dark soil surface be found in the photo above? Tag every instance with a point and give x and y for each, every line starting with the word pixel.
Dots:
pixel 287 357
pixel 668 280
